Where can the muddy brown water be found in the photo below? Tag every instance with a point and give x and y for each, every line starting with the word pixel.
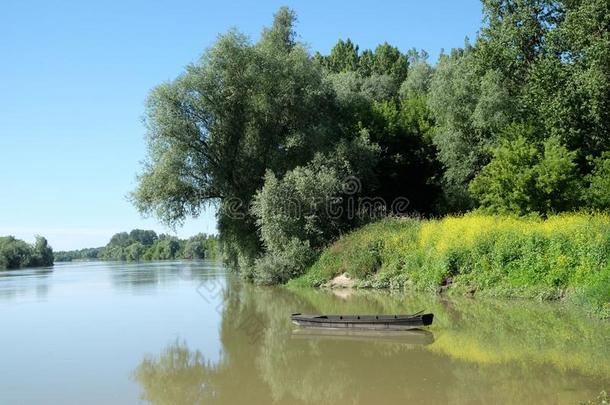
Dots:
pixel 190 333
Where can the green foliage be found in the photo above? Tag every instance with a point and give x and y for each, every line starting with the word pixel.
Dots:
pixel 398 120
pixel 366 62
pixel 522 179
pixel 296 206
pixel 15 253
pixel 200 246
pixel 389 60
pixel 515 34
pixel 308 205
pixel 507 124
pixel 246 109
pixel 42 253
pixel 147 245
pixel 568 87
pixel 128 246
pixel 564 256
pixel 367 260
pixel 281 265
pixel 470 106
pixel 385 60
pixel 81 254
pixel 165 248
pixel 144 237
pixel 598 193
pixel 360 253
pixel 408 163
pixel 535 61
pixel 241 110
pixel 343 57
pixel 379 87
pixel 134 251
pixel 417 82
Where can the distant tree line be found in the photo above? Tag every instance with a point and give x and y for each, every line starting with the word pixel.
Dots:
pixel 15 253
pixel 81 254
pixel 146 245
pixel 517 123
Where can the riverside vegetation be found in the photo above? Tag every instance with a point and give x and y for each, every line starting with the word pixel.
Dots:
pixel 514 124
pixel 142 244
pixel 561 257
pixel 15 253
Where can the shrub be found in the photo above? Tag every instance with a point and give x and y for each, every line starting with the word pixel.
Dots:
pixel 307 202
pixel 598 193
pixel 305 210
pixel 280 266
pixel 523 179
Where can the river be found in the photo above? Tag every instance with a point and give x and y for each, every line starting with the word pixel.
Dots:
pixel 189 333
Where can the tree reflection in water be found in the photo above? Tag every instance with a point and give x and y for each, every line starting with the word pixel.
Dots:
pixel 481 352
pixel 177 376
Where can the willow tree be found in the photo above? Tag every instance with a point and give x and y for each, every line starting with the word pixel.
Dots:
pixel 242 109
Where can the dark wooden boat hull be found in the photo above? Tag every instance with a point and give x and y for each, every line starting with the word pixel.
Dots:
pixel 369 322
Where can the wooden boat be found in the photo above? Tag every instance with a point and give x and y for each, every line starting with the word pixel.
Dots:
pixel 375 322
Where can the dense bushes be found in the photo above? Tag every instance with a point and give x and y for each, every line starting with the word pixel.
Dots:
pixel 281 265
pixel 523 178
pixel 564 256
pixel 15 253
pixel 597 194
pixel 306 209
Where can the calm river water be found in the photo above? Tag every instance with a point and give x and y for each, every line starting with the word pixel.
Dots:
pixel 188 333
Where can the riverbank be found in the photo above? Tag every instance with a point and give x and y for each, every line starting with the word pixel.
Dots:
pixel 564 257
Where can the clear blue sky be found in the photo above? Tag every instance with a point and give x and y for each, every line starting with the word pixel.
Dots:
pixel 74 76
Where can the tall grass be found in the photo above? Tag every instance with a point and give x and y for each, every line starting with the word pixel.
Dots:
pixel 562 257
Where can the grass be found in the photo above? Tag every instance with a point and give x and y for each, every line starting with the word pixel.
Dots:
pixel 562 257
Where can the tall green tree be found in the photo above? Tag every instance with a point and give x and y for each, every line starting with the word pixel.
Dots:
pixel 470 107
pixel 343 57
pixel 213 132
pixel 390 61
pixel 523 178
pixel 569 88
pixel 42 253
pixel 514 36
pixel 387 96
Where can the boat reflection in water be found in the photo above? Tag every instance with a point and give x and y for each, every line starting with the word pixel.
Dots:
pixel 414 337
